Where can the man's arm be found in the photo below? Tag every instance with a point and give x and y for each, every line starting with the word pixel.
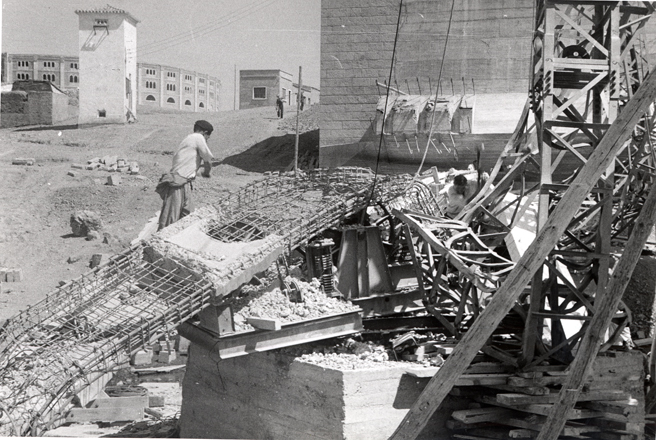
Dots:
pixel 207 167
pixel 207 157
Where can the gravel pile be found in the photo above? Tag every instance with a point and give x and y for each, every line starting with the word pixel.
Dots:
pixel 274 304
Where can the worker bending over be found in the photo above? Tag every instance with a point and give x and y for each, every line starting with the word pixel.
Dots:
pixel 175 186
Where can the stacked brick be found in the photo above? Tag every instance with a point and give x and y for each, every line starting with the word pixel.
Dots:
pixel 110 163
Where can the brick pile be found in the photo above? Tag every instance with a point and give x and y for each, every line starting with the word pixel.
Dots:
pixel 111 164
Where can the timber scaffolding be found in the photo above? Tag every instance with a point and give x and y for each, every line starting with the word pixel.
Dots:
pixel 61 351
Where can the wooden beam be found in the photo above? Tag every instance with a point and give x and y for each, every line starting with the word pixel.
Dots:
pixel 440 385
pixel 606 308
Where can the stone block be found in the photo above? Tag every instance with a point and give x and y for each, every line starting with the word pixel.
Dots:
pixel 94 160
pixel 73 259
pixel 156 401
pixel 72 173
pixel 166 356
pixel 142 357
pixel 123 169
pixel 109 160
pixel 113 180
pixel 97 260
pixel 93 166
pixel 23 161
pixel 11 275
pixel 77 166
pixel 134 168
pixel 82 222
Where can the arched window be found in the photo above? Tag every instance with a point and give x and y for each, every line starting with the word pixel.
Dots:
pixel 187 102
pixel 201 105
pixel 151 98
pixel 171 100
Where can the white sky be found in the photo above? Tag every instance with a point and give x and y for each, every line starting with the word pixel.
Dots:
pixel 208 36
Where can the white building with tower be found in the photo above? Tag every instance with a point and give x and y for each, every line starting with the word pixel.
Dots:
pixel 107 65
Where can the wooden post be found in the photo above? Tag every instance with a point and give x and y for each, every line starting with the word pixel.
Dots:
pixel 606 307
pixel 298 111
pixel 506 296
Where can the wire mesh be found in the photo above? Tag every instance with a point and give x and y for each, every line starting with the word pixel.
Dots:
pixel 90 326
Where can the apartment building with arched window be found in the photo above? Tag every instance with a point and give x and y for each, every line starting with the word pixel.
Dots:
pixel 157 85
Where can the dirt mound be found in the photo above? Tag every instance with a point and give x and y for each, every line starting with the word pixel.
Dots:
pixel 277 154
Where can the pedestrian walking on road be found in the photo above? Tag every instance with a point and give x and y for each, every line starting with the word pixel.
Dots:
pixel 279 106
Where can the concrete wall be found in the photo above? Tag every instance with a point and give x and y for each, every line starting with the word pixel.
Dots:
pixel 14 109
pixel 489 45
pixel 272 396
pixel 277 82
pixel 34 108
pixel 104 67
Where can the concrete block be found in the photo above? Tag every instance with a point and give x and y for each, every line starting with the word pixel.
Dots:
pixel 121 162
pixel 97 260
pixel 109 160
pixel 113 180
pixel 93 166
pixel 11 275
pixel 123 169
pixel 156 401
pixel 134 168
pixel 142 357
pixel 72 173
pixel 17 275
pixel 23 161
pixel 182 345
pixel 166 356
pixel 77 166
pixel 94 160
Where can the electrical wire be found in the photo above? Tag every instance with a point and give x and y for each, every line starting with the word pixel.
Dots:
pixel 203 30
pixel 439 79
pixel 382 131
pixel 207 28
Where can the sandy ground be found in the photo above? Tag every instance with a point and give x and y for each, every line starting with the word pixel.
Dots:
pixel 36 202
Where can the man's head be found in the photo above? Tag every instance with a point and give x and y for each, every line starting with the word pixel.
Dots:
pixel 460 184
pixel 203 127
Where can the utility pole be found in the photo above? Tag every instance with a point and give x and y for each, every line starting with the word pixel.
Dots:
pixel 236 91
pixel 298 111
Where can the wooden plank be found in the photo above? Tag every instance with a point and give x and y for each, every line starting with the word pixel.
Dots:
pixel 488 367
pixel 264 323
pixel 439 386
pixel 256 341
pixel 477 415
pixel 521 399
pixel 481 379
pixel 111 414
pixel 115 402
pixel 623 408
pixel 539 409
pixel 606 307
pixel 531 391
pixel 535 422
